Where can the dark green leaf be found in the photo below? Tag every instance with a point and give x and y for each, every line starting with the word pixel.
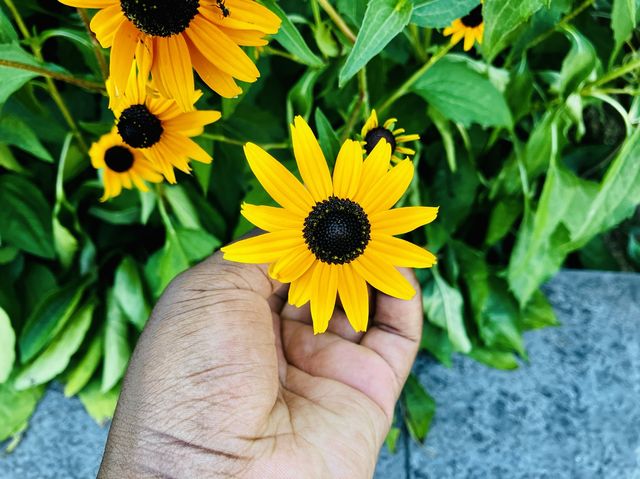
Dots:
pixel 495 358
pixel 623 20
pixel 300 99
pixel 7 346
pixel 420 408
pixel 25 219
pixel 116 345
pixel 579 64
pixel 436 341
pixel 538 313
pixel 81 373
pixel 503 217
pixel 383 20
pixel 12 79
pixel 392 439
pixel 14 131
pixel 327 137
pixel 129 293
pixel 440 13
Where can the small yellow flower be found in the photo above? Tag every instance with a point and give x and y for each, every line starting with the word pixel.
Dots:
pixel 333 235
pixel 176 36
pixel 123 166
pixel 155 125
pixel 470 27
pixel 372 133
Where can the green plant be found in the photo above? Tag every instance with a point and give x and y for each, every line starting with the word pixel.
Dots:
pixel 530 146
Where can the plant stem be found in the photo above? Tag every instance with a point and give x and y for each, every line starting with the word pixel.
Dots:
pixel 618 72
pixel 337 19
pixel 566 19
pixel 102 63
pixel 364 91
pixel 231 141
pixel 53 90
pixel 87 85
pixel 280 53
pixel 404 88
pixel 163 211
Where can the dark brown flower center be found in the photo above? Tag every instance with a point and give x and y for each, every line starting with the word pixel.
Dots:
pixel 119 159
pixel 337 230
pixel 139 128
pixel 375 135
pixel 474 18
pixel 160 18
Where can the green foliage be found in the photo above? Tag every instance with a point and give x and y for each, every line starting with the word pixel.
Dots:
pixel 530 146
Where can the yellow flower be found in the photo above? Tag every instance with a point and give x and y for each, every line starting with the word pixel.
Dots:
pixel 332 236
pixel 178 35
pixel 122 166
pixel 156 126
pixel 372 133
pixel 470 27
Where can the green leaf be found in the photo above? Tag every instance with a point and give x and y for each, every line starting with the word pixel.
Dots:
pixel 7 33
pixel 538 313
pixel 82 372
pixel 16 407
pixel 503 216
pixel 323 34
pixel 391 440
pixel 579 65
pixel 383 21
pixel 436 341
pixel 623 20
pixel 182 207
pixel 444 128
pixel 462 94
pixel 65 243
pixel 420 408
pixel 7 346
pixel 443 306
pixel 440 13
pixel 25 218
pixel 129 293
pixel 116 345
pixel 49 317
pixel 197 244
pixel 502 21
pixel 290 38
pixel 300 99
pixel 14 131
pixel 12 79
pixel 353 10
pixel 327 137
pixel 55 358
pixel 495 358
pixel 99 405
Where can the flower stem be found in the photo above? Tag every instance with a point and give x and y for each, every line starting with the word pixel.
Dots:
pixel 404 88
pixel 364 91
pixel 51 86
pixel 87 85
pixel 102 63
pixel 618 72
pixel 231 141
pixel 338 20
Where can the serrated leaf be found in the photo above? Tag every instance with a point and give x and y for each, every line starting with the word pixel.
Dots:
pixel 55 358
pixel 383 21
pixel 440 13
pixel 463 95
pixel 7 346
pixel 290 38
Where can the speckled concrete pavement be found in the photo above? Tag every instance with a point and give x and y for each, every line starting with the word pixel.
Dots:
pixel 572 412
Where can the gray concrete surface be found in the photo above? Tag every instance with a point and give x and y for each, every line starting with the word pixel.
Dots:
pixel 572 412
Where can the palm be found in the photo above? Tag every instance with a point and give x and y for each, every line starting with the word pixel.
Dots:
pixel 262 405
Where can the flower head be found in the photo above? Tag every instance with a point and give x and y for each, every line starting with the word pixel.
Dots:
pixel 177 36
pixel 470 27
pixel 154 124
pixel 333 235
pixel 122 166
pixel 372 132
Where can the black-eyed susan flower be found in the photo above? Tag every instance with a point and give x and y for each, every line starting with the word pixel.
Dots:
pixel 155 125
pixel 470 27
pixel 180 35
pixel 373 132
pixel 121 165
pixel 333 235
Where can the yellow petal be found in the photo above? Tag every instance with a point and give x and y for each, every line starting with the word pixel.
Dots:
pixel 292 265
pixel 89 3
pixel 283 187
pixel 122 51
pixel 402 220
pixel 348 170
pixel 265 248
pixel 374 167
pixel 191 123
pixel 469 38
pixel 105 24
pixel 355 297
pixel 383 276
pixel 323 295
pixel 389 189
pixel 311 161
pixel 400 252
pixel 172 70
pixel 370 124
pixel 270 218
pixel 220 82
pixel 300 290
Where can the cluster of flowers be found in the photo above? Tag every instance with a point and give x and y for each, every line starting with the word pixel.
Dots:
pixel 333 234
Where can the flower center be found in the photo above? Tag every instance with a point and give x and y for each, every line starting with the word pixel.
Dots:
pixel 119 159
pixel 337 230
pixel 375 135
pixel 160 18
pixel 474 18
pixel 139 128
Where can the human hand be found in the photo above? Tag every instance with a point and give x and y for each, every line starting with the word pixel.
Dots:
pixel 228 380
